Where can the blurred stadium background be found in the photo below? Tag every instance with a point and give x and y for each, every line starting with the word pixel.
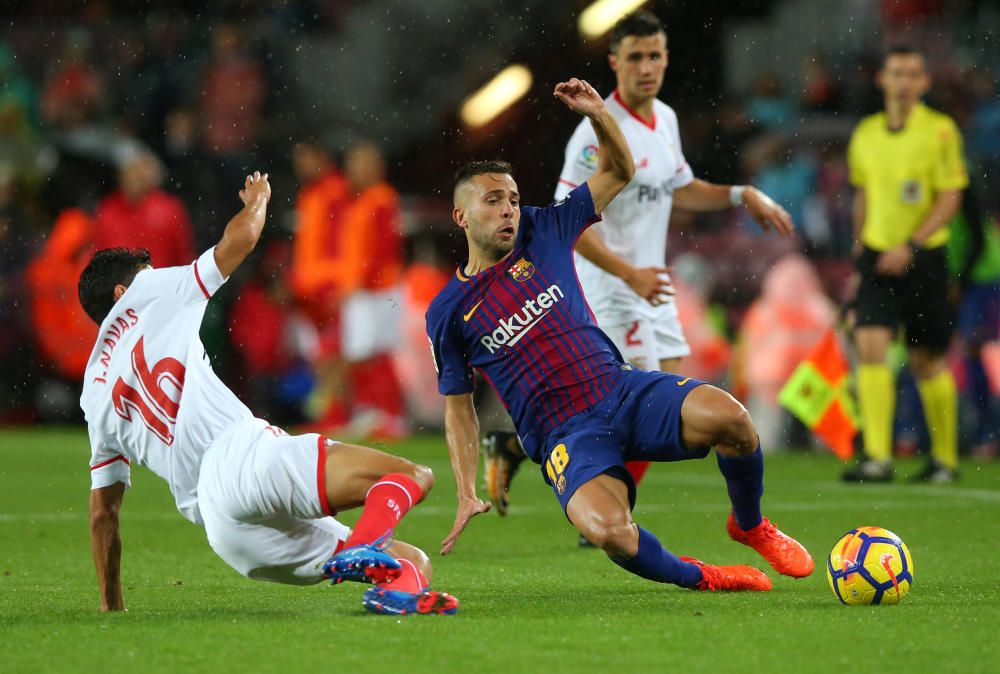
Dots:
pixel 124 122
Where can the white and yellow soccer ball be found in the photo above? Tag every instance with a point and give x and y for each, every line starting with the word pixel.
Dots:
pixel 870 565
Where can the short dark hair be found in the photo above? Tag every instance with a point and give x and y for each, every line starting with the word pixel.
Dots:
pixel 642 23
pixel 106 269
pixel 481 167
pixel 901 49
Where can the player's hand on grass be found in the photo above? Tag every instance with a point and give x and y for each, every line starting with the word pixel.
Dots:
pixel 894 261
pixel 467 509
pixel 651 284
pixel 579 97
pixel 768 212
pixel 256 187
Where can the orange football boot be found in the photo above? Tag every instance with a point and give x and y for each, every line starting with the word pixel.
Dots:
pixel 784 553
pixel 730 578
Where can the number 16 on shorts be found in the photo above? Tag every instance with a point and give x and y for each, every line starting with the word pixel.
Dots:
pixel 556 465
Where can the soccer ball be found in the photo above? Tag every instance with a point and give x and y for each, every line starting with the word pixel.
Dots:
pixel 870 565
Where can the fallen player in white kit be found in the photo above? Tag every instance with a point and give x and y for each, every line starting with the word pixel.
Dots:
pixel 265 498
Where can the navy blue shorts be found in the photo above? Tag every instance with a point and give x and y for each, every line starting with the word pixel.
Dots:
pixel 639 421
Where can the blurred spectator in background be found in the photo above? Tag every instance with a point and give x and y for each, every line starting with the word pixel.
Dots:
pixel 778 332
pixel 372 315
pixel 15 89
pixel 819 89
pixel 63 333
pixel 141 215
pixel 768 106
pixel 788 178
pixel 74 94
pixel 316 272
pixel 233 94
pixel 348 267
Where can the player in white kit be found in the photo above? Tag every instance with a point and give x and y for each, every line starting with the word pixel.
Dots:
pixel 620 260
pixel 265 499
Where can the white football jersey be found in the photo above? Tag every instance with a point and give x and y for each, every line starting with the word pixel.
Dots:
pixel 149 394
pixel 635 224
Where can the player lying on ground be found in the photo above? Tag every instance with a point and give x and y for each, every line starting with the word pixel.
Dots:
pixel 516 312
pixel 266 499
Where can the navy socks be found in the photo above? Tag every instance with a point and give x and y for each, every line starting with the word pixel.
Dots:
pixel 745 482
pixel 654 562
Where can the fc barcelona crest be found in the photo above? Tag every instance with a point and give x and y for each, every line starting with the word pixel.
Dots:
pixel 522 270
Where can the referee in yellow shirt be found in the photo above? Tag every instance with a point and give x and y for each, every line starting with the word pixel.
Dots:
pixel 908 168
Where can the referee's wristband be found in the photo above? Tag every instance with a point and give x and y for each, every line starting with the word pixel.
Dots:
pixel 914 246
pixel 736 195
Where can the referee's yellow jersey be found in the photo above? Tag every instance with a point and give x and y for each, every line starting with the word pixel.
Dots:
pixel 902 172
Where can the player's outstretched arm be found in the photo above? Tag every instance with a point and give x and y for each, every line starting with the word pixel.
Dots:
pixel 699 195
pixel 106 543
pixel 243 231
pixel 615 167
pixel 461 430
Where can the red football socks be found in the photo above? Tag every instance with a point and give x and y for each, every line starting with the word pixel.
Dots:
pixel 410 580
pixel 385 504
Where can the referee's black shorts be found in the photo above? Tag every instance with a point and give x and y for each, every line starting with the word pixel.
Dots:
pixel 917 300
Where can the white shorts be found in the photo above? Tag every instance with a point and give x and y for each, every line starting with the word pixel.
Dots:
pixel 259 495
pixel 370 324
pixel 646 341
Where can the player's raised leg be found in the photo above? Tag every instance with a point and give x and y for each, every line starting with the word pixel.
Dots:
pixel 388 487
pixel 600 510
pixel 410 593
pixel 712 417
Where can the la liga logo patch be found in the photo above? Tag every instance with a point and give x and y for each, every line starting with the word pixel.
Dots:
pixel 588 157
pixel 521 270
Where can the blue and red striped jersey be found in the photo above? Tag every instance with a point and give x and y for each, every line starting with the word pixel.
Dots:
pixel 526 326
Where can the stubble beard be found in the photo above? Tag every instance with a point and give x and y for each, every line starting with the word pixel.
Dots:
pixel 494 250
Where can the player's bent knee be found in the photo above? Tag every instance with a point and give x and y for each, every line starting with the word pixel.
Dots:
pixel 617 539
pixel 743 433
pixel 622 542
pixel 732 426
pixel 423 476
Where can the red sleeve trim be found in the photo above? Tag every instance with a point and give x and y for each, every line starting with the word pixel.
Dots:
pixel 566 182
pixel 324 503
pixel 197 277
pixel 102 464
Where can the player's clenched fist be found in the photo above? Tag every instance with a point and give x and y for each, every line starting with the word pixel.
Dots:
pixel 256 187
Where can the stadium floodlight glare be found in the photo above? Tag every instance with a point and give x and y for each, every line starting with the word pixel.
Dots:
pixel 500 93
pixel 601 16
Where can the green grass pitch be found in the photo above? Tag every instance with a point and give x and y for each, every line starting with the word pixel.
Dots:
pixel 531 600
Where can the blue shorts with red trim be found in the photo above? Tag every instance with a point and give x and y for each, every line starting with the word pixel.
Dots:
pixel 639 421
